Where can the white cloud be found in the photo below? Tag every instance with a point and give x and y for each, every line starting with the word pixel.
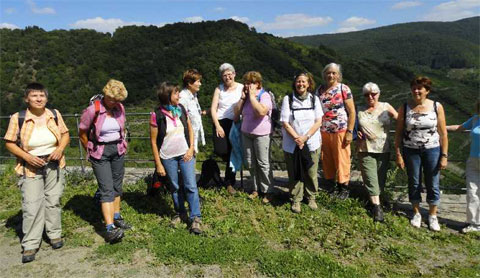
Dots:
pixel 193 19
pixel 36 10
pixel 105 25
pixel 8 26
pixel 453 10
pixel 292 21
pixel 219 9
pixel 353 23
pixel 406 5
pixel 242 19
pixel 9 10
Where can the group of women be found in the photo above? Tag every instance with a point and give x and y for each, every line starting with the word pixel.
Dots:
pixel 318 124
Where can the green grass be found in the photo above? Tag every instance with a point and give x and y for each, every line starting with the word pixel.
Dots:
pixel 245 238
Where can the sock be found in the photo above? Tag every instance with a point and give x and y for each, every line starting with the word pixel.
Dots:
pixel 116 215
pixel 110 227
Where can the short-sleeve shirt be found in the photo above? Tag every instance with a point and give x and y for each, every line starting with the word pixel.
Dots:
pixel 253 124
pixel 473 124
pixel 375 125
pixel 304 120
pixel 335 118
pixel 26 133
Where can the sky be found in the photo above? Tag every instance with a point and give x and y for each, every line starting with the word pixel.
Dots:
pixel 282 18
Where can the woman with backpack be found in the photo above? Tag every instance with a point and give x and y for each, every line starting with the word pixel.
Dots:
pixel 102 134
pixel 172 141
pixel 302 117
pixel 373 144
pixel 225 96
pixel 337 129
pixel 255 106
pixel 38 137
pixel 421 145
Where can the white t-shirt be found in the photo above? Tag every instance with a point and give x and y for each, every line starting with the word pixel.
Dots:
pixel 227 101
pixel 42 142
pixel 304 120
pixel 174 144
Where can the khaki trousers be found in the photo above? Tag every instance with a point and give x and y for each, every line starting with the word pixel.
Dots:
pixel 308 188
pixel 41 205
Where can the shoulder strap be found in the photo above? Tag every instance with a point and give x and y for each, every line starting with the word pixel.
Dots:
pixel 290 105
pixel 260 95
pixel 54 112
pixel 21 119
pixel 435 107
pixel 405 112
pixel 312 97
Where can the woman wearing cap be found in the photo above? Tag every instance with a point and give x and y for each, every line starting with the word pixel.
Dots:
pixel 373 144
pixel 421 145
pixel 43 138
pixel 102 134
pixel 225 96
pixel 337 129
pixel 255 106
pixel 302 117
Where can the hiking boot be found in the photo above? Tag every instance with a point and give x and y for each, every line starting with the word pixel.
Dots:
pixel 29 255
pixel 179 218
pixel 433 223
pixel 343 193
pixel 470 229
pixel 416 221
pixel 312 204
pixel 56 243
pixel 122 224
pixel 114 235
pixel 196 226
pixel 253 195
pixel 267 198
pixel 296 207
pixel 231 190
pixel 377 213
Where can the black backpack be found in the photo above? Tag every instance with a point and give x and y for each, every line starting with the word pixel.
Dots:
pixel 292 110
pixel 210 170
pixel 21 120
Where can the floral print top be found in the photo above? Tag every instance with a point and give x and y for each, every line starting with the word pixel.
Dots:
pixel 335 118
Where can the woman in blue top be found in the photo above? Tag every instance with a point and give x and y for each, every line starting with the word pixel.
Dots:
pixel 472 171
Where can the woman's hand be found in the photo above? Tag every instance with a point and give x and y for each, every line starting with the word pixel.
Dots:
pixel 220 132
pixel 161 171
pixel 399 161
pixel 35 161
pixel 300 140
pixel 347 139
pixel 360 135
pixel 188 155
pixel 443 163
pixel 56 154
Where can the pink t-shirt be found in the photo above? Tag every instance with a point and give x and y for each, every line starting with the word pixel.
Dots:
pixel 253 124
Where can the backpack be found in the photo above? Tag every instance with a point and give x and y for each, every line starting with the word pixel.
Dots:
pixel 21 120
pixel 96 99
pixel 275 113
pixel 290 104
pixel 210 170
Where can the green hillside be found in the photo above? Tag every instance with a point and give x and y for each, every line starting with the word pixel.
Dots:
pixel 432 44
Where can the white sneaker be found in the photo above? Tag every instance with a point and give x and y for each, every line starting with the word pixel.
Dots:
pixel 416 220
pixel 470 229
pixel 433 223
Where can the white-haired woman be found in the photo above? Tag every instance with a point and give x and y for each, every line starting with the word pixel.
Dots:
pixel 225 96
pixel 102 134
pixel 373 144
pixel 337 128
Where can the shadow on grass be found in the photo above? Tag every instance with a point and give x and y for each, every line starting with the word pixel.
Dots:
pixel 15 223
pixel 142 203
pixel 85 207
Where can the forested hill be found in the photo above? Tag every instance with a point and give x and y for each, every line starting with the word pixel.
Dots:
pixel 76 64
pixel 432 44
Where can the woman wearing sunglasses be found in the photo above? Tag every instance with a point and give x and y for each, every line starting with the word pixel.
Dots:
pixel 373 146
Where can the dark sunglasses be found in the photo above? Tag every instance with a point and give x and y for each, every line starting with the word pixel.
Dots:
pixel 370 94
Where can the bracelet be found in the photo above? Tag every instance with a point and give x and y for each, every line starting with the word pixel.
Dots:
pixel 308 136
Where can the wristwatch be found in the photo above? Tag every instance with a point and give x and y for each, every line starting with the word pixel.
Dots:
pixel 444 155
pixel 350 131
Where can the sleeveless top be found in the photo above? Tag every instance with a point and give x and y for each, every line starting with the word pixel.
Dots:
pixel 375 126
pixel 227 101
pixel 421 129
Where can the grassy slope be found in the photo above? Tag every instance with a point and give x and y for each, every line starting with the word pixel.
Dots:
pixel 247 238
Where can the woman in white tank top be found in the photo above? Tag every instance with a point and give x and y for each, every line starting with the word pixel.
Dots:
pixel 226 95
